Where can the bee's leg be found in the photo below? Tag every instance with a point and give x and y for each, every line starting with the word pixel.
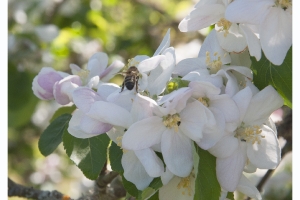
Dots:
pixel 136 84
pixel 123 84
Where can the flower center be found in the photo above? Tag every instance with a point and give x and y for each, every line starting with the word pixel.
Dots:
pixel 214 65
pixel 186 184
pixel 249 134
pixel 83 74
pixel 224 26
pixel 204 101
pixel 284 3
pixel 172 121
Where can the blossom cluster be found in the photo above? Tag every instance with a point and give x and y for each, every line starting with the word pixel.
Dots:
pixel 209 101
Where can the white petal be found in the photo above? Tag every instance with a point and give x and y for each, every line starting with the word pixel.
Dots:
pixel 234 41
pixel 202 17
pixel 203 89
pixel 177 152
pixel 93 127
pixel 226 105
pixel 188 65
pixel 212 45
pixel 115 133
pixel 241 59
pixel 252 42
pixel 134 171
pixel 84 97
pixel 105 89
pixel 248 188
pixel 225 147
pixel 110 113
pixel 166 176
pixel 262 105
pixel 150 63
pixel 143 134
pixel 276 35
pixel 229 170
pixel 242 100
pixel 123 99
pixel 151 162
pixel 97 63
pixel 165 43
pixel 265 155
pixel 142 107
pixel 193 119
pixel 111 71
pixel 248 12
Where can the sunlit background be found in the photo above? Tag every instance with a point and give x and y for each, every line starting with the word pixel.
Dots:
pixel 55 33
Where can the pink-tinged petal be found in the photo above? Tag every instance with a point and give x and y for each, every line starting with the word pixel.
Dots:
pixel 111 71
pixel 193 120
pixel 97 64
pixel 262 105
pixel 212 46
pixel 226 105
pixel 252 41
pixel 142 107
pixel 248 188
pixel 63 89
pixel 94 127
pixel 143 134
pixel 105 89
pixel 165 43
pixel 242 100
pixel 212 134
pixel 134 171
pixel 190 64
pixel 276 35
pixel 234 41
pixel 166 176
pixel 84 97
pixel 151 162
pixel 229 169
pixel 248 12
pixel 110 113
pixel 150 63
pixel 202 17
pixel 225 147
pixel 177 152
pixel 74 126
pixel 265 155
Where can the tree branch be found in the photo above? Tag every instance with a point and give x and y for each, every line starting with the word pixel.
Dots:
pixel 18 190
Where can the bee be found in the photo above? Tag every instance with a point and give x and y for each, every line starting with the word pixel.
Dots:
pixel 132 76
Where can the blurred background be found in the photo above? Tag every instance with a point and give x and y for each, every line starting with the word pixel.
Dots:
pixel 56 33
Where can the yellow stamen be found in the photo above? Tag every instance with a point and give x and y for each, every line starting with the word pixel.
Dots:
pixel 172 121
pixel 250 134
pixel 186 184
pixel 204 101
pixel 214 65
pixel 284 3
pixel 224 25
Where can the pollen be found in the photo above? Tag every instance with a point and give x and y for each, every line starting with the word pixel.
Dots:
pixel 224 25
pixel 204 101
pixel 214 65
pixel 119 141
pixel 172 121
pixel 284 3
pixel 250 134
pixel 186 185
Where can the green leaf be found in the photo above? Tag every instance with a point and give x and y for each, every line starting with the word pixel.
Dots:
pixel 88 154
pixel 154 197
pixel 115 156
pixel 206 181
pixel 230 195
pixel 149 194
pixel 63 110
pixel 130 187
pixel 280 77
pixel 156 183
pixel 52 136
